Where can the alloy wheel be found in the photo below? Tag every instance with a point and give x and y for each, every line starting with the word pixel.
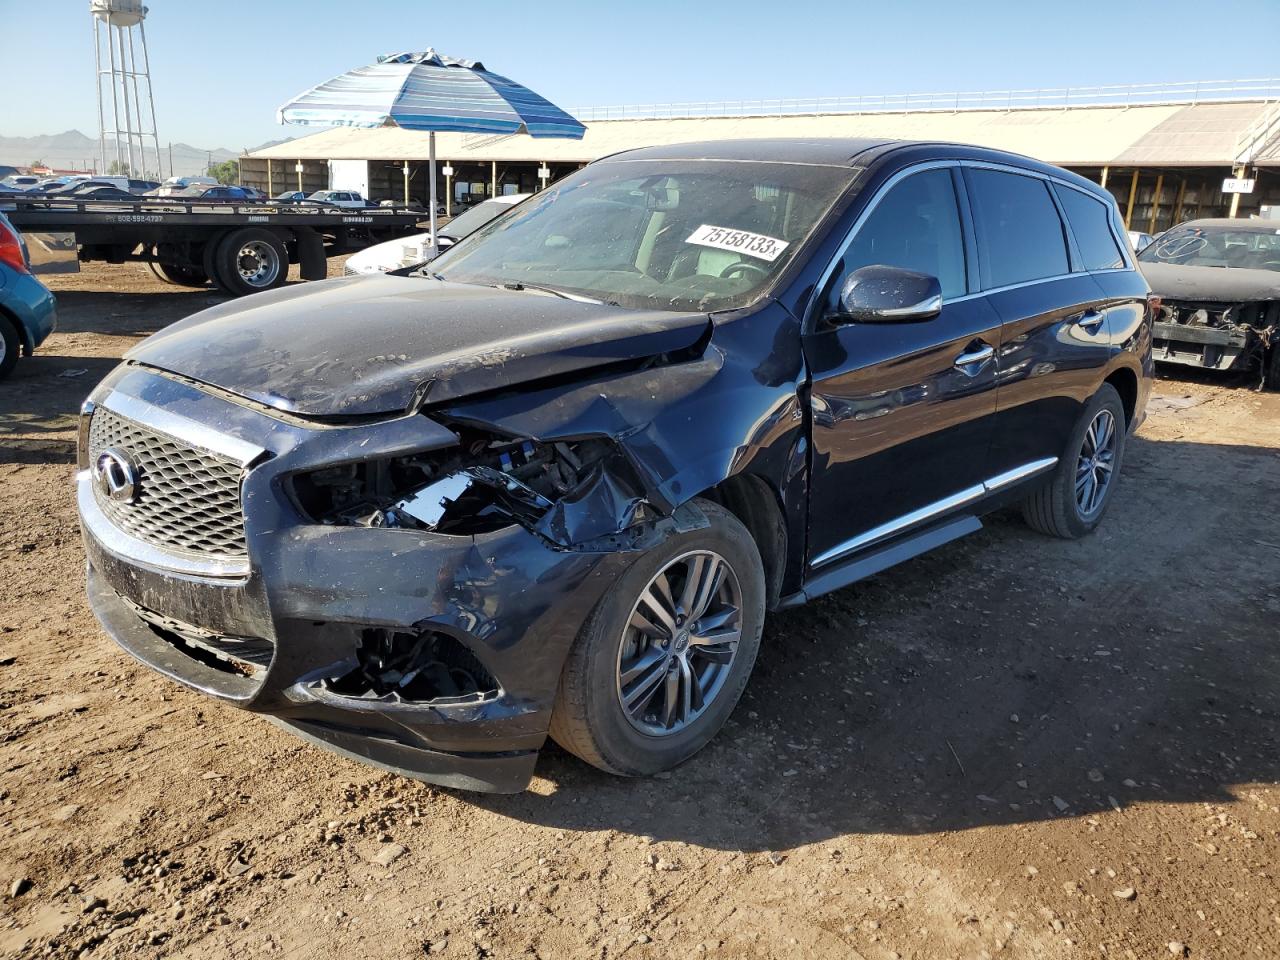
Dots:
pixel 258 263
pixel 1096 464
pixel 679 643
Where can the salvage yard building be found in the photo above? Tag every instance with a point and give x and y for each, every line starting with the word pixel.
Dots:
pixel 1165 152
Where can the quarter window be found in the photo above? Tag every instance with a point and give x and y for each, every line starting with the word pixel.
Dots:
pixel 916 226
pixel 1019 231
pixel 1091 226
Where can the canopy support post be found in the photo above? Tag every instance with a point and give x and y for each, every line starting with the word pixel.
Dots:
pixel 1133 194
pixel 1155 205
pixel 431 153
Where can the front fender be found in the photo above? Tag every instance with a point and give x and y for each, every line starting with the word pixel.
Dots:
pixel 687 426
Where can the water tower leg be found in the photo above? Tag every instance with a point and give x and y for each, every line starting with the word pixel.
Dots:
pixel 124 91
pixel 115 102
pixel 97 66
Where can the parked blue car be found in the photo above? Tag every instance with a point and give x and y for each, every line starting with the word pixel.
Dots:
pixel 27 309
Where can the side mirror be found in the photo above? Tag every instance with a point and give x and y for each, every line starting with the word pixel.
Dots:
pixel 880 294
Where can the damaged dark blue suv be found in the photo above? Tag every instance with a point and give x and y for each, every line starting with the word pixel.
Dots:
pixel 550 482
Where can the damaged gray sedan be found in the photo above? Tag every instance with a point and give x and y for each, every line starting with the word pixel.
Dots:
pixel 550 482
pixel 1219 283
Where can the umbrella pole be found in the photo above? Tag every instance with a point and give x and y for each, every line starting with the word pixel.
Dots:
pixel 431 153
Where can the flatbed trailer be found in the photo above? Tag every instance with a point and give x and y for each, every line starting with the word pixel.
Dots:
pixel 243 247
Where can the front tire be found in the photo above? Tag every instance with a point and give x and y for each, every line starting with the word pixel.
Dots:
pixel 663 659
pixel 1076 497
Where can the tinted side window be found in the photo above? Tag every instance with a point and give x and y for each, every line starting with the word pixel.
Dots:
pixel 916 225
pixel 1091 225
pixel 1019 231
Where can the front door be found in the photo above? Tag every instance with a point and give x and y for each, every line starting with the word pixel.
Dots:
pixel 902 412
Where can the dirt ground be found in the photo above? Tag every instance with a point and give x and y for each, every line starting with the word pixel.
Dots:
pixel 1013 747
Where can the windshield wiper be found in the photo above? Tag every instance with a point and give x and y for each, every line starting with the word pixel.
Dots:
pixel 518 285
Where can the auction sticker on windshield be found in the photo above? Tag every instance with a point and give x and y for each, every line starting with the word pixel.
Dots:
pixel 739 241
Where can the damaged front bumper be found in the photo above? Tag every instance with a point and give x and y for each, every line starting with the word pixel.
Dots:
pixel 1214 336
pixel 435 655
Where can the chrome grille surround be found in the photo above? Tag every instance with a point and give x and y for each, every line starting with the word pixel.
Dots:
pixel 189 498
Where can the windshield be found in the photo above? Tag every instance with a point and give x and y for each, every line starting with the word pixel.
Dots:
pixel 472 220
pixel 1202 246
pixel 654 234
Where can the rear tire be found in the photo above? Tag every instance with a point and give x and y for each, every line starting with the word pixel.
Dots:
pixel 251 261
pixel 1074 500
pixel 612 658
pixel 182 276
pixel 10 346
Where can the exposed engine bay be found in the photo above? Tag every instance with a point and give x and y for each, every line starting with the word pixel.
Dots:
pixel 567 492
pixel 1217 335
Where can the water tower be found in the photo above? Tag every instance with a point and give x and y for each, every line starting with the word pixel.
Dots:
pixel 124 86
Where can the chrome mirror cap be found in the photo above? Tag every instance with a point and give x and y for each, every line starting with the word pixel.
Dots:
pixel 883 294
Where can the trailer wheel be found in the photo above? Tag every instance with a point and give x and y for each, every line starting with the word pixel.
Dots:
pixel 250 261
pixel 182 276
pixel 209 257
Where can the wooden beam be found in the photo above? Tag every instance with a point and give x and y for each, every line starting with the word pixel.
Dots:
pixel 1155 204
pixel 1177 204
pixel 1133 195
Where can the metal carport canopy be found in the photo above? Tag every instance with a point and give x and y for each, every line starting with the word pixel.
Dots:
pixel 1165 135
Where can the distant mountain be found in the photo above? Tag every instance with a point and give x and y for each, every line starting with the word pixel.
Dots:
pixel 75 150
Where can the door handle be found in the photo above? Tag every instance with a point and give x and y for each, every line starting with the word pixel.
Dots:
pixel 1090 320
pixel 971 361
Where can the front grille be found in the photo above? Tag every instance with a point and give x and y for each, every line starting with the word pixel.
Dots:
pixel 188 499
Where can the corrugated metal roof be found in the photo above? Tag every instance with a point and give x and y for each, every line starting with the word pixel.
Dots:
pixel 1204 134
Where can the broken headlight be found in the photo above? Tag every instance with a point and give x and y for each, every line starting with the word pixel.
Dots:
pixel 485 484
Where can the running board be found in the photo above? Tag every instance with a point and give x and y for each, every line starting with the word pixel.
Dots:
pixel 868 564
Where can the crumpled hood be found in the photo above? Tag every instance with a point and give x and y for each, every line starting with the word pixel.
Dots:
pixel 372 345
pixel 1226 284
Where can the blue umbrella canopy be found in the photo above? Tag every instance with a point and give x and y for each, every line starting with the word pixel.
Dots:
pixel 430 92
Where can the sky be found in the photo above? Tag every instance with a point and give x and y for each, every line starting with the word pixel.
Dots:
pixel 221 69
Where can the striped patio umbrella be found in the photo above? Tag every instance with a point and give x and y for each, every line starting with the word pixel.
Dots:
pixel 427 91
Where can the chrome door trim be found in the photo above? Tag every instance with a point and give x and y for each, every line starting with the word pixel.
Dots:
pixel 1023 472
pixel 917 517
pixel 181 428
pixel 914 518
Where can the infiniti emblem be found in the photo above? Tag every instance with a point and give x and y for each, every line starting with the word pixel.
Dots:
pixel 116 476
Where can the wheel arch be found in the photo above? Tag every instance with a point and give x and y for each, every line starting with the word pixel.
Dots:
pixel 758 505
pixel 1125 382
pixel 26 343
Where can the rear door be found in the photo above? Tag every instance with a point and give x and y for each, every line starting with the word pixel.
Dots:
pixel 902 412
pixel 1099 247
pixel 1054 337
